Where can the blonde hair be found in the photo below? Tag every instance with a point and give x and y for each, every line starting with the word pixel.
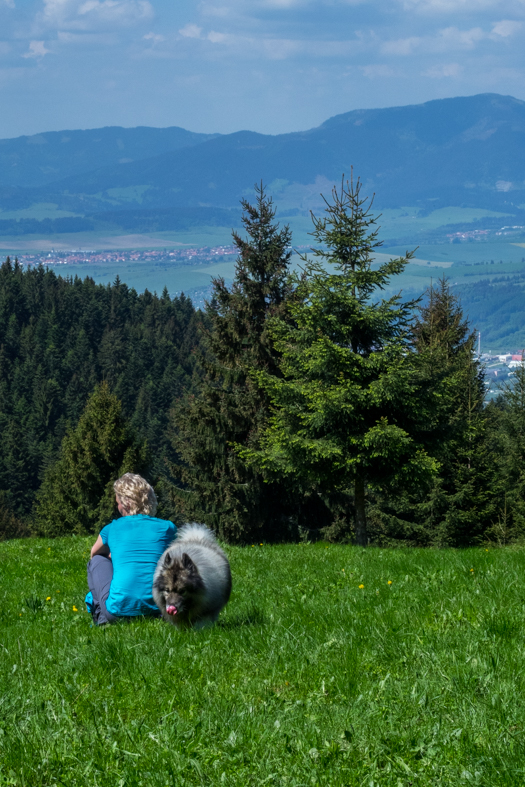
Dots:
pixel 136 494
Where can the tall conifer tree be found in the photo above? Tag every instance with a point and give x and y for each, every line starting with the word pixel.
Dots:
pixel 76 495
pixel 509 454
pixel 459 506
pixel 345 411
pixel 229 409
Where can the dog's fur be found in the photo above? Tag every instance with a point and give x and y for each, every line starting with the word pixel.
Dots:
pixel 192 579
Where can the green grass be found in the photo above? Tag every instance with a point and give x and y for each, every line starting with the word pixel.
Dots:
pixel 308 679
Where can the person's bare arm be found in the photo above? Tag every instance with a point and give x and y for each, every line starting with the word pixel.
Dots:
pixel 99 548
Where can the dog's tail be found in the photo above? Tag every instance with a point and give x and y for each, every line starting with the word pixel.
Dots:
pixel 195 533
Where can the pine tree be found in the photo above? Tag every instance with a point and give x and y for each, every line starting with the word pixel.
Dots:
pixel 76 495
pixel 346 414
pixel 508 436
pixel 460 505
pixel 228 408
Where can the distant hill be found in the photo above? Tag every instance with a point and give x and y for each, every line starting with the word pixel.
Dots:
pixel 459 151
pixel 40 159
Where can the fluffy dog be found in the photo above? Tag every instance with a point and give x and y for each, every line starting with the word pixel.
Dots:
pixel 192 581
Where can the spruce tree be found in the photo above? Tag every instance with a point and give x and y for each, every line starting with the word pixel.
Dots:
pixel 76 495
pixel 345 412
pixel 459 507
pixel 228 408
pixel 508 436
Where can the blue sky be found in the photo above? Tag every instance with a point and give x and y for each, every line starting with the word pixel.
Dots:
pixel 267 65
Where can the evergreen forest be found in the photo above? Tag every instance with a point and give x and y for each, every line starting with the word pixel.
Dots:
pixel 296 406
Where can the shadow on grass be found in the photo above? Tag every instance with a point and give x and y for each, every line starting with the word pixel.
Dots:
pixel 252 617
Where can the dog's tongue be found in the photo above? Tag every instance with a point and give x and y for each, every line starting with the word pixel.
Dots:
pixel 171 610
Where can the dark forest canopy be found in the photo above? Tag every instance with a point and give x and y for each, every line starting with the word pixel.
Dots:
pixel 58 339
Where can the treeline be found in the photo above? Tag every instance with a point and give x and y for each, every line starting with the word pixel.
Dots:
pixel 59 338
pixel 297 406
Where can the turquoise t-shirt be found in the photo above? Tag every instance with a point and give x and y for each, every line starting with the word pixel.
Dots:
pixel 136 543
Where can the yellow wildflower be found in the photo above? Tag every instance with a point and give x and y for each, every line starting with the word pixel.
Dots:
pixel 389 582
pixel 361 587
pixel 48 598
pixel 75 609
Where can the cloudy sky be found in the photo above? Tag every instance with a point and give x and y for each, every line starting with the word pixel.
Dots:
pixel 267 65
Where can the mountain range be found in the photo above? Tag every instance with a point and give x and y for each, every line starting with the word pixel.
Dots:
pixel 458 151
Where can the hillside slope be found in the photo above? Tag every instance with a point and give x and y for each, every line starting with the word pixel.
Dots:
pixel 459 151
pixel 40 159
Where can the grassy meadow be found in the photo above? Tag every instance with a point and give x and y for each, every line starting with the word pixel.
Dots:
pixel 332 665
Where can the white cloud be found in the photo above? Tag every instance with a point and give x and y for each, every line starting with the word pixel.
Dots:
pixel 282 3
pixel 36 49
pixel 191 31
pixel 448 6
pixel 453 38
pixel 155 38
pixel 445 70
pixel 119 11
pixel 281 48
pixel 93 14
pixel 503 185
pixel 86 39
pixel 217 38
pixel 284 48
pixel 221 12
pixel 403 46
pixel 449 38
pixel 378 71
pixel 8 3
pixel 506 28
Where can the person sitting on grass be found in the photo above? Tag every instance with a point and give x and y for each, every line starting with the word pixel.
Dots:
pixel 125 555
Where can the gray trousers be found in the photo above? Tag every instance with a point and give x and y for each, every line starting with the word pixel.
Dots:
pixel 99 576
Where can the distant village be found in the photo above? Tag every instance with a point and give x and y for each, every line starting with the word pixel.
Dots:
pixel 190 256
pixel 499 368
pixel 470 235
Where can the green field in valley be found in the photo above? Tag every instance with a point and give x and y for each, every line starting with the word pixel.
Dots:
pixel 332 665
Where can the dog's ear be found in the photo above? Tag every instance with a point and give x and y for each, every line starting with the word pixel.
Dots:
pixel 168 560
pixel 187 562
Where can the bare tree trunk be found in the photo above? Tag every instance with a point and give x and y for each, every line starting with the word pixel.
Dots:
pixel 361 537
